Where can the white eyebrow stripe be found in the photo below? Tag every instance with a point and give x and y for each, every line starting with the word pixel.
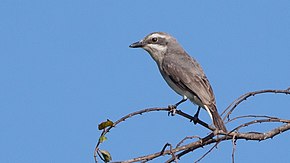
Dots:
pixel 157 35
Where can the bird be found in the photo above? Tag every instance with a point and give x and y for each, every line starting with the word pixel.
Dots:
pixel 182 73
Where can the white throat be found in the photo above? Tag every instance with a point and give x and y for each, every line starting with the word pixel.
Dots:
pixel 156 51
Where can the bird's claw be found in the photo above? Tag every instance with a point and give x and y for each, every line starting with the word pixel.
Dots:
pixel 195 119
pixel 172 110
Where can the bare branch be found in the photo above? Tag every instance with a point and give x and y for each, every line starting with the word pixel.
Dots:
pixel 209 140
pixel 206 153
pixel 197 120
pixel 179 112
pixel 260 121
pixel 242 98
pixel 250 116
pixel 173 155
pixel 192 146
pixel 186 138
pixel 215 137
pixel 106 130
pixel 234 140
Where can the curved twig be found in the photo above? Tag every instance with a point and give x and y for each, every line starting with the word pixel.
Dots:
pixel 260 121
pixel 249 116
pixel 206 153
pixel 242 98
pixel 140 112
pixel 186 138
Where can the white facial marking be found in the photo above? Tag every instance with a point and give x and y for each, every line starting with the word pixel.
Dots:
pixel 157 47
pixel 156 51
pixel 157 35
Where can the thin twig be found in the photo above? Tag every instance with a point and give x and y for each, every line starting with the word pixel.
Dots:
pixel 173 154
pixel 260 121
pixel 199 143
pixel 234 140
pixel 140 112
pixel 250 116
pixel 242 98
pixel 197 120
pixel 206 153
pixel 105 131
pixel 163 149
pixel 186 138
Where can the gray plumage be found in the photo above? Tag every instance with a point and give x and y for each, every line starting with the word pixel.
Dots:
pixel 181 72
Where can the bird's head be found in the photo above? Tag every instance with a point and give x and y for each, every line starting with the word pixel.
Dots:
pixel 156 44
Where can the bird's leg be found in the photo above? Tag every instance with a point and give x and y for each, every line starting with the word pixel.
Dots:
pixel 195 117
pixel 181 101
pixel 172 108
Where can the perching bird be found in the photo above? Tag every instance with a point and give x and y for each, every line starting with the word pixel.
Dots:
pixel 181 72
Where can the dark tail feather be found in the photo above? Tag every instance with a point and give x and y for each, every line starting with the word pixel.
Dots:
pixel 217 120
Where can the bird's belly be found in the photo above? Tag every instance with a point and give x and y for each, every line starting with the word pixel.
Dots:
pixel 174 86
pixel 192 97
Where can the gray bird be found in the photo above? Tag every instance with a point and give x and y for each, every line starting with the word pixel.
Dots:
pixel 181 72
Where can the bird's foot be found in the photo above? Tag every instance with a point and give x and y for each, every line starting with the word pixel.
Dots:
pixel 195 118
pixel 172 110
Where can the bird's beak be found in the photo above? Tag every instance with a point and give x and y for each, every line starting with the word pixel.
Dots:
pixel 138 44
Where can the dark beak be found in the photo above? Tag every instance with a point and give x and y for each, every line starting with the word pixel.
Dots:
pixel 138 44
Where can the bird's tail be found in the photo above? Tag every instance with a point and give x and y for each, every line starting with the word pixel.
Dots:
pixel 217 120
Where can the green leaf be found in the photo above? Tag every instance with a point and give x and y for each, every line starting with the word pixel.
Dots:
pixel 102 139
pixel 103 125
pixel 106 155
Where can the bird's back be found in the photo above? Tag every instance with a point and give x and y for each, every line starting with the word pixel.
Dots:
pixel 188 74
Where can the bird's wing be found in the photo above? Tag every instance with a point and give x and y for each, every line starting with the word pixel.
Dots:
pixel 187 74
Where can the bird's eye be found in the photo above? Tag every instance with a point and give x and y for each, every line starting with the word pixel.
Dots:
pixel 154 39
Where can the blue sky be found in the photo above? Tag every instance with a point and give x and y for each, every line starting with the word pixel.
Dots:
pixel 66 66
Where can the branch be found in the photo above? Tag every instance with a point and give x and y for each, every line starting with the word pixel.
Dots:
pixel 260 121
pixel 250 116
pixel 206 153
pixel 234 141
pixel 244 97
pixel 246 136
pixel 188 137
pixel 106 130
pixel 210 139
pixel 179 112
pixel 233 135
